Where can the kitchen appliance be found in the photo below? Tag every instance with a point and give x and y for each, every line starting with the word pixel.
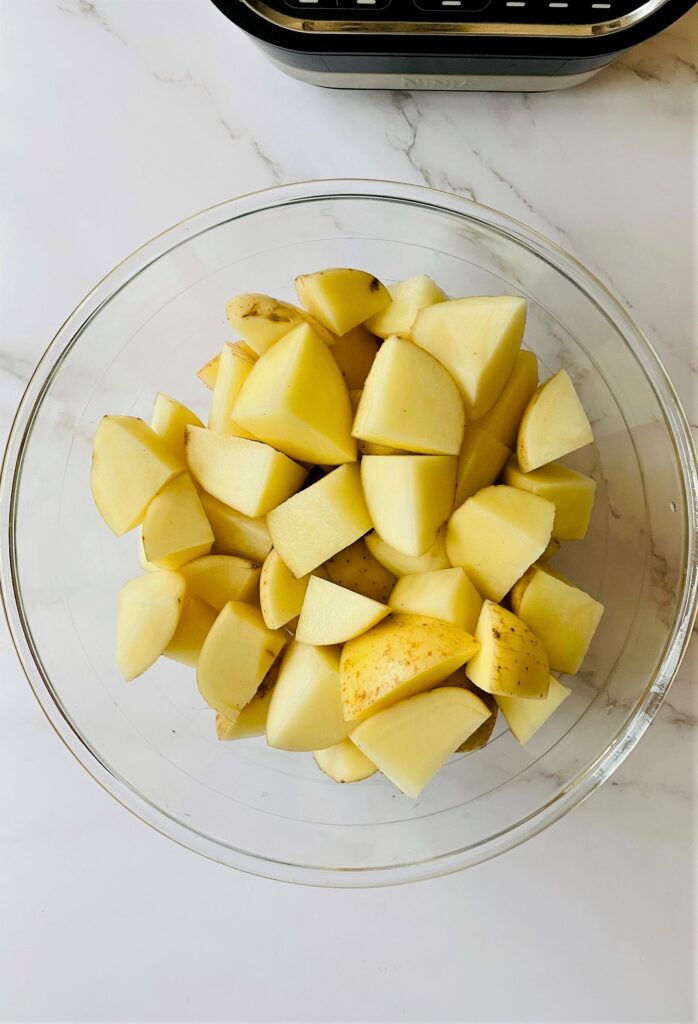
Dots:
pixel 503 45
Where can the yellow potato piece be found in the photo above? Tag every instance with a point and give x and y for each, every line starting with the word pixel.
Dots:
pixel 398 658
pixel 295 399
pixel 130 464
pixel 233 370
pixel 554 424
pixel 481 737
pixel 280 592
pixel 252 720
pixel 502 420
pixel 496 534
pixel 398 564
pixel 262 321
pixel 209 372
pixel 410 402
pixel 562 616
pixel 193 628
pixel 571 493
pixel 354 353
pixel 170 419
pixel 356 569
pixel 477 339
pixel 344 762
pixel 340 298
pixel 480 462
pixel 175 528
pixel 321 520
pixel 149 611
pixel 217 579
pixel 333 615
pixel 525 717
pixel 444 594
pixel 551 550
pixel 410 741
pixel 511 660
pixel 247 475
pixel 236 656
pixel 409 497
pixel 144 563
pixel 306 711
pixel 236 534
pixel 406 299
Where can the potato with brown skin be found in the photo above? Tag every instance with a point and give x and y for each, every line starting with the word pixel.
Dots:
pixel 356 569
pixel 261 320
pixel 511 661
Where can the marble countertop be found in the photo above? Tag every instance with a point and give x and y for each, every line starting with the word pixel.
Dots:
pixel 119 118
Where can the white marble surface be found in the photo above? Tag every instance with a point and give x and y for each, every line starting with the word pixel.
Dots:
pixel 120 117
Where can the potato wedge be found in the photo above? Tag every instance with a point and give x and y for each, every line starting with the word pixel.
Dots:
pixel 398 564
pixel 477 339
pixel 150 608
pixel 410 402
pixel 175 528
pixel 170 419
pixel 398 658
pixel 306 711
pixel 480 462
pixel 247 475
pixel 571 493
pixel 344 762
pixel 333 615
pixel 496 534
pixel 192 629
pixel 261 321
pixel 406 299
pixel 444 594
pixel 409 497
pixel 234 533
pixel 525 717
pixel 503 419
pixel 354 353
pixel 217 579
pixel 321 520
pixel 234 368
pixel 236 656
pixel 252 720
pixel 340 298
pixel 209 372
pixel 554 424
pixel 280 592
pixel 511 661
pixel 410 741
pixel 130 464
pixel 295 399
pixel 356 569
pixel 562 616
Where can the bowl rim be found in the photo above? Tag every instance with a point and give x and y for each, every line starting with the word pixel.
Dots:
pixel 311 191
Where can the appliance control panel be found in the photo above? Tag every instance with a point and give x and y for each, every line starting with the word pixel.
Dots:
pixel 552 17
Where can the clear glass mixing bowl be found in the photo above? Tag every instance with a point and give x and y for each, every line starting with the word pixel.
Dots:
pixel 147 327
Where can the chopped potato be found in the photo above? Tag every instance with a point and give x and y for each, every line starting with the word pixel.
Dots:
pixel 511 661
pixel 525 717
pixel 262 321
pixel 170 419
pixel 409 498
pixel 503 419
pixel 218 579
pixel 571 493
pixel 150 608
pixel 344 762
pixel 354 353
pixel 356 569
pixel 406 299
pixel 233 370
pixel 411 740
pixel 305 712
pixel 175 528
pixel 192 629
pixel 477 339
pixel 444 594
pixel 399 564
pixel 554 424
pixel 341 299
pixel 234 533
pixel 398 658
pixel 280 592
pixel 480 462
pixel 333 615
pixel 410 402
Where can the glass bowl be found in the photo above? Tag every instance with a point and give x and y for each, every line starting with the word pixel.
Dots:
pixel 149 326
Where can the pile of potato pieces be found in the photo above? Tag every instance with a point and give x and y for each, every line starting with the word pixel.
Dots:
pixel 353 551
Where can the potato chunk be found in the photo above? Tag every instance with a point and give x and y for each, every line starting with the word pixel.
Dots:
pixel 511 660
pixel 410 741
pixel 333 615
pixel 344 762
pixel 236 534
pixel 398 564
pixel 406 299
pixel 497 534
pixel 410 402
pixel 525 717
pixel 444 594
pixel 409 497
pixel 502 420
pixel 175 527
pixel 306 711
pixel 477 339
pixel 170 419
pixel 341 298
pixel 295 399
pixel 571 493
pixel 398 658
pixel 554 424
pixel 150 608
pixel 561 615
